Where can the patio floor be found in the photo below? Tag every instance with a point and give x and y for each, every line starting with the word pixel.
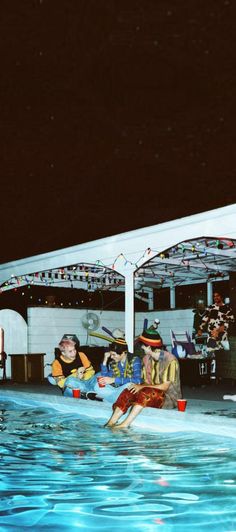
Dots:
pixel 209 392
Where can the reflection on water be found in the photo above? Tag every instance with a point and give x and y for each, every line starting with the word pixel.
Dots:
pixel 62 473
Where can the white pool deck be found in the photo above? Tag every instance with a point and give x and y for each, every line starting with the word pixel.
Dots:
pixel 207 416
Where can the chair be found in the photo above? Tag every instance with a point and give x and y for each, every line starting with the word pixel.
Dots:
pixel 183 339
pixel 3 357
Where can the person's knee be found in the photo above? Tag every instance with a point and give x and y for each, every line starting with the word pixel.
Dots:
pixel 97 388
pixel 52 380
pixel 73 382
pixel 68 392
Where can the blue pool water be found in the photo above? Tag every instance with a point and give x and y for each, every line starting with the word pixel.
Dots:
pixel 61 472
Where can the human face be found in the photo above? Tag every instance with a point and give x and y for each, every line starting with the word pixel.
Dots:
pixel 200 307
pixel 148 351
pixel 69 352
pixel 217 299
pixel 116 357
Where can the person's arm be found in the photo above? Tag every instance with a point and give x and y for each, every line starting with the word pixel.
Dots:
pixel 169 376
pixel 89 371
pixel 229 316
pixel 134 388
pixel 57 373
pixel 105 370
pixel 204 323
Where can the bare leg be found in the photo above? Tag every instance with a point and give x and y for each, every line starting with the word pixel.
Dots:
pixel 114 418
pixel 132 415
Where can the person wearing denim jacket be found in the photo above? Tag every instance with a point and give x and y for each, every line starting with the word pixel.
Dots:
pixel 118 370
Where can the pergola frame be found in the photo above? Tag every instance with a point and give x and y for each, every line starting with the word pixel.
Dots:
pixel 125 253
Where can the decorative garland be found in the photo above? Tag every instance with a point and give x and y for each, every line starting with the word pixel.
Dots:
pixel 103 276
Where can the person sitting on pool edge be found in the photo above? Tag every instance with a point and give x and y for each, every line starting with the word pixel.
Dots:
pixel 118 369
pixel 72 369
pixel 161 386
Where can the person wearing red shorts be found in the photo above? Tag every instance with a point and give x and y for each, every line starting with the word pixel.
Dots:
pixel 161 386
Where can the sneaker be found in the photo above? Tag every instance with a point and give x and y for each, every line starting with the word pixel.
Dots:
pixel 93 396
pixel 83 395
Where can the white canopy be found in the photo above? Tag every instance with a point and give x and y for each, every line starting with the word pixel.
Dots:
pixel 208 236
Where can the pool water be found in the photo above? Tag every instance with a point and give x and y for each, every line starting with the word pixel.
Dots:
pixel 63 472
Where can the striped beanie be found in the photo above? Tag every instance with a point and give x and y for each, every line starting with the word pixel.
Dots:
pixel 118 344
pixel 119 341
pixel 151 338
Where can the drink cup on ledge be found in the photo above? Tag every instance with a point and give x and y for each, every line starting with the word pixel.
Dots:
pixel 100 383
pixel 76 393
pixel 182 403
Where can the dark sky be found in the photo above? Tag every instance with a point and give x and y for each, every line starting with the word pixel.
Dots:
pixel 115 114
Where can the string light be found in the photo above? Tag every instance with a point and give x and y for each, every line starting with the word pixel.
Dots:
pixel 99 280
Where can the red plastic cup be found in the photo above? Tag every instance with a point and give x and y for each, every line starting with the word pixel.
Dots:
pixel 76 393
pixel 182 403
pixel 99 382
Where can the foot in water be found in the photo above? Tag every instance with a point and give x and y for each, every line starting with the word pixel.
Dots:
pixel 121 426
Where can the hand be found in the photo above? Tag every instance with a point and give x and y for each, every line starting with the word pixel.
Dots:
pixel 106 357
pixel 199 333
pixel 80 372
pixel 134 388
pixel 215 333
pixel 107 380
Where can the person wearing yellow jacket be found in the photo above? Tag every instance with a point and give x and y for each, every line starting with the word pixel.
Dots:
pixel 72 368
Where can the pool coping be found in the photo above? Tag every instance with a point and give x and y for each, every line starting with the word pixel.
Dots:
pixel 200 416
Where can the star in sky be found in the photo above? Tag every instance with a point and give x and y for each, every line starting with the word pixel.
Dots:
pixel 113 117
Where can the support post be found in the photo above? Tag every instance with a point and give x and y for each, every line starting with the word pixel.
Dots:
pixel 150 299
pixel 172 297
pixel 209 293
pixel 129 309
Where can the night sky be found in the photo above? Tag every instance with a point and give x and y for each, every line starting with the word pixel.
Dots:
pixel 115 115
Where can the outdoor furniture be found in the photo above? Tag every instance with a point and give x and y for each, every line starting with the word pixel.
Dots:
pixel 195 372
pixel 3 357
pixel 183 339
pixel 27 368
pixel 226 362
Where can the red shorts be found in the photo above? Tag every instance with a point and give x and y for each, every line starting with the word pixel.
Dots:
pixel 145 397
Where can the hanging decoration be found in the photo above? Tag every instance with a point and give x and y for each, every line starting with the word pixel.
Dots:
pixel 198 257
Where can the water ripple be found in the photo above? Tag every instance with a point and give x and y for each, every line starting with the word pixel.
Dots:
pixel 60 474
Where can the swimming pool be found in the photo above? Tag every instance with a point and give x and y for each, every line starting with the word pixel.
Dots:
pixel 64 472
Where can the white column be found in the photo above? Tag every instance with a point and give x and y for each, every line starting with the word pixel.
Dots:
pixel 129 309
pixel 172 296
pixel 1 340
pixel 150 299
pixel 209 293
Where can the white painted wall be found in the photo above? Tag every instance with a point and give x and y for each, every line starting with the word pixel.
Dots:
pixel 15 335
pixel 177 320
pixel 46 326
